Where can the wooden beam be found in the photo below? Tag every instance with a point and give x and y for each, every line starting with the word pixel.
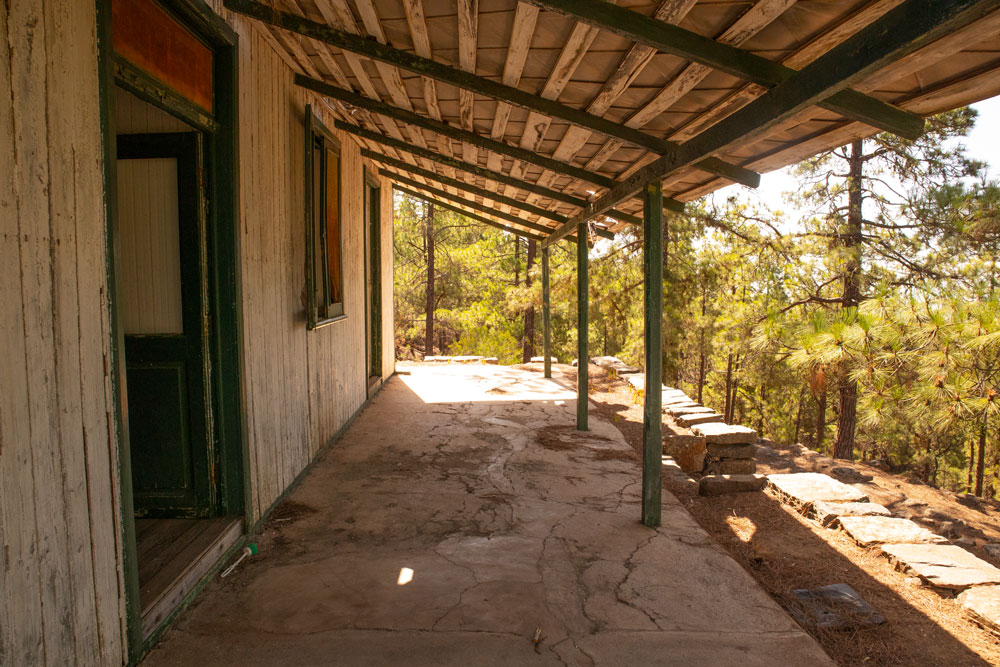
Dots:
pixel 737 62
pixel 399 178
pixel 499 177
pixel 900 32
pixel 652 412
pixel 472 216
pixel 582 326
pixel 472 82
pixel 462 185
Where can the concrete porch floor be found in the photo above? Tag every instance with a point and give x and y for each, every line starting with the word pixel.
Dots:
pixel 473 479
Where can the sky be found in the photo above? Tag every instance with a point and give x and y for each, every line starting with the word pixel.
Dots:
pixel 982 143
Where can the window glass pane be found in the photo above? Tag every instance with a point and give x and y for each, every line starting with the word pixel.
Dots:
pixel 333 225
pixel 318 248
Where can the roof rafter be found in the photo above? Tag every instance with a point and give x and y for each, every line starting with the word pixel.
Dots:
pixel 903 30
pixel 476 205
pixel 472 82
pixel 737 62
pixel 468 214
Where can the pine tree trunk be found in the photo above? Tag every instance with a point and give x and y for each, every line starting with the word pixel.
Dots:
pixel 972 466
pixel 847 418
pixel 529 315
pixel 726 411
pixel 820 419
pixel 981 463
pixel 429 245
pixel 798 415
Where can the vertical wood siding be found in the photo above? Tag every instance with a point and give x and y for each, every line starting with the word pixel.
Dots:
pixel 59 580
pixel 301 386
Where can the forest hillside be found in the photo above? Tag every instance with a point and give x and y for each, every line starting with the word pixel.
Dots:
pixel 862 320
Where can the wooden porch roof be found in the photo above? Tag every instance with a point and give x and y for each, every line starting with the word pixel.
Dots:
pixel 584 105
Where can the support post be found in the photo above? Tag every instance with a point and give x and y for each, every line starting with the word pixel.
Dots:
pixel 652 422
pixel 582 324
pixel 546 315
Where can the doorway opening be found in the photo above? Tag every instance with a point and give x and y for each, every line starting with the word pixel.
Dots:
pixel 169 95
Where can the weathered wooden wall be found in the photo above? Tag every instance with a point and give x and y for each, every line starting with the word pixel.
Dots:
pixel 60 522
pixel 60 594
pixel 301 386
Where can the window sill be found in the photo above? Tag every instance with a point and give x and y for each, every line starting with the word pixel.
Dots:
pixel 328 321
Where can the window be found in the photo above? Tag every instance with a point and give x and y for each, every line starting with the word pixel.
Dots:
pixel 324 277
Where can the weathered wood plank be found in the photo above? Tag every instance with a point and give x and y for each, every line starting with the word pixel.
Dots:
pixel 468 214
pixel 421 44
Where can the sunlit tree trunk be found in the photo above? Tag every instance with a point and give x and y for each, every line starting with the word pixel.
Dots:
pixel 847 417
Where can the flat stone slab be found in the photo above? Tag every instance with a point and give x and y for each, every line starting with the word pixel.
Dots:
pixel 942 565
pixel 869 530
pixel 680 405
pixel 687 450
pixel 726 434
pixel 468 359
pixel 730 467
pixel 717 485
pixel 835 607
pixel 438 360
pixel 491 360
pixel 826 512
pixel 690 410
pixel 983 604
pixel 801 489
pixel 541 360
pixel 688 421
pixel 718 451
pixel 638 381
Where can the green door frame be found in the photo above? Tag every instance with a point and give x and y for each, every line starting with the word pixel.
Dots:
pixel 224 289
pixel 372 252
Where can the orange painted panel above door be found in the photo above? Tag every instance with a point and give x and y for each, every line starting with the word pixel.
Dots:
pixel 147 36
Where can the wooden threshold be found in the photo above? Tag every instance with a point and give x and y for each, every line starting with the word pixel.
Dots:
pixel 173 556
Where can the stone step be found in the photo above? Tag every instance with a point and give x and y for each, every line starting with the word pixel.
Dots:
pixel 468 359
pixel 744 451
pixel 730 467
pixel 827 513
pixel 541 360
pixel 725 434
pixel 689 421
pixel 717 485
pixel 682 410
pixel 982 603
pixel 687 450
pixel 802 489
pixel 942 565
pixel 870 530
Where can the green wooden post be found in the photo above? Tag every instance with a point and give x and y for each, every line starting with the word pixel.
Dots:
pixel 546 315
pixel 582 313
pixel 652 421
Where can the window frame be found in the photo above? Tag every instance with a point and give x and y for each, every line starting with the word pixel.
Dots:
pixel 320 307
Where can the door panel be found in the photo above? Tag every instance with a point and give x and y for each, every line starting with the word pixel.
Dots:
pixel 162 235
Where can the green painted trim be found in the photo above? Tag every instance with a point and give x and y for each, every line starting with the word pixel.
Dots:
pixel 116 371
pixel 472 216
pixel 145 87
pixel 689 45
pixel 652 413
pixel 546 315
pixel 582 329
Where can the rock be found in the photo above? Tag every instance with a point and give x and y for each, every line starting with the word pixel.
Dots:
pixel 688 421
pixel 914 581
pixel 942 565
pixel 725 434
pixel 467 359
pixel 491 360
pixel 717 485
pixel 681 411
pixel 835 607
pixel 801 489
pixel 730 467
pixel 826 512
pixel 850 475
pixel 880 464
pixel 992 549
pixel 718 451
pixel 575 362
pixel 541 360
pixel 982 603
pixel 687 450
pixel 871 530
pixel 765 452
pixel 913 502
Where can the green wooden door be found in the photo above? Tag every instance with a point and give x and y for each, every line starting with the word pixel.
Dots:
pixel 164 305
